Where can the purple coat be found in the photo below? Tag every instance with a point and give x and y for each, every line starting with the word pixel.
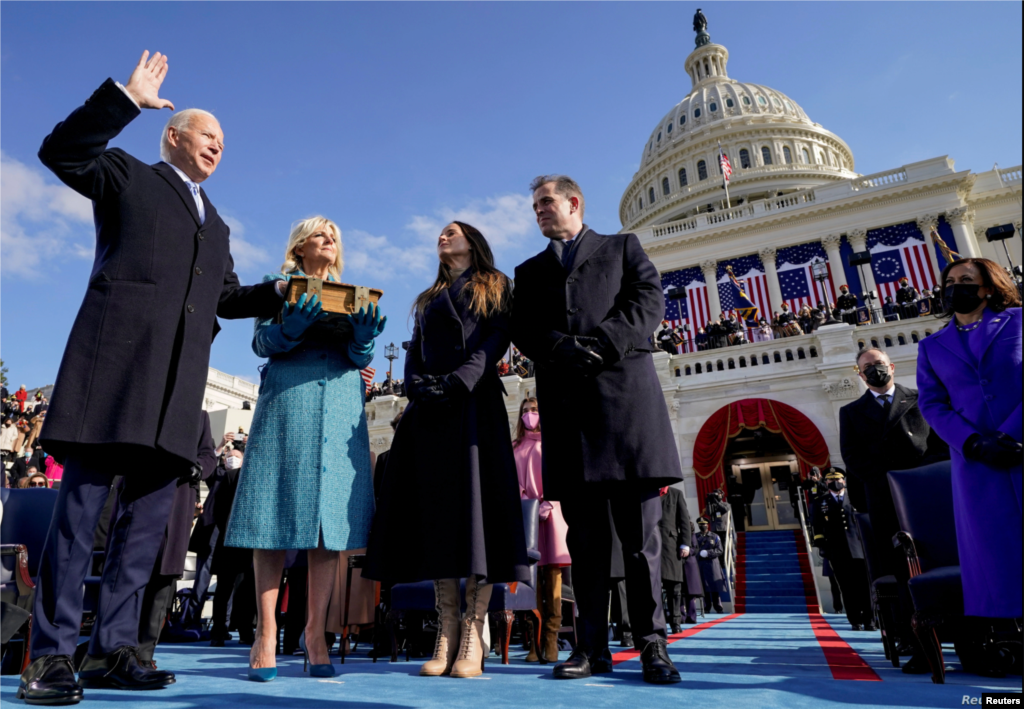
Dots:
pixel 965 389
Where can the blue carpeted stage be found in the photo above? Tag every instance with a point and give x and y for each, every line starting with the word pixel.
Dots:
pixel 753 660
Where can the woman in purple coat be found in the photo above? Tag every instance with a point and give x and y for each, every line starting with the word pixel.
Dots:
pixel 969 390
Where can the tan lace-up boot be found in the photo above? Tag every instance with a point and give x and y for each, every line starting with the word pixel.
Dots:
pixel 446 647
pixel 471 644
pixel 552 612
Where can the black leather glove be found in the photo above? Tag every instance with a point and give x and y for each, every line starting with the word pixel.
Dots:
pixel 415 388
pixel 443 390
pixel 999 451
pixel 581 354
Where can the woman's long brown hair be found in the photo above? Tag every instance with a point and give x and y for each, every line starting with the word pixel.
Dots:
pixel 520 426
pixel 993 277
pixel 488 289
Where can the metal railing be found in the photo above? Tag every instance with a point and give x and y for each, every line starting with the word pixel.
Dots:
pixel 811 557
pixel 730 557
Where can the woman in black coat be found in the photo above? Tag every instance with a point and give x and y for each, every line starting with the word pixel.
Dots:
pixel 449 502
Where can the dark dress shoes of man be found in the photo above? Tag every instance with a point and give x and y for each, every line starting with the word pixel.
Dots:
pixel 122 670
pixel 50 680
pixel 658 668
pixel 576 667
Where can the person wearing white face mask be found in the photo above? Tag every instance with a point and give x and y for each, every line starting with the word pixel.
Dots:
pixel 228 562
pixel 554 554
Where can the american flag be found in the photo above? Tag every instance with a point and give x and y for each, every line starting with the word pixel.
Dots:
pixel 723 162
pixel 899 251
pixel 749 272
pixel 678 312
pixel 368 375
pixel 796 280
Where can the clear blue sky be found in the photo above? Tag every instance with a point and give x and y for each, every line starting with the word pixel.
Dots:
pixel 390 118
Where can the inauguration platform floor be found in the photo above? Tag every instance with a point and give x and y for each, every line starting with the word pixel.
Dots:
pixel 788 661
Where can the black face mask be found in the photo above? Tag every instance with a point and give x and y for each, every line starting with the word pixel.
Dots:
pixel 878 374
pixel 703 528
pixel 836 485
pixel 962 298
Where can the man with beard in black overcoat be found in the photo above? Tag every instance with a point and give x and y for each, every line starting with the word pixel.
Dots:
pixel 129 390
pixel 584 311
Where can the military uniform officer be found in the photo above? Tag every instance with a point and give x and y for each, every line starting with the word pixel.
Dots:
pixel 665 337
pixel 906 298
pixel 709 548
pixel 837 540
pixel 847 304
pixel 786 318
pixel 717 513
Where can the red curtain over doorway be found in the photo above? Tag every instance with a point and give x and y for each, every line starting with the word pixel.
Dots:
pixel 709 452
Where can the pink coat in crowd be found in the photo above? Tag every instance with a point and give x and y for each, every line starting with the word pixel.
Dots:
pixel 552 524
pixel 54 470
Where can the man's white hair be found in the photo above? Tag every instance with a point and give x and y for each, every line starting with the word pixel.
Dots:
pixel 180 121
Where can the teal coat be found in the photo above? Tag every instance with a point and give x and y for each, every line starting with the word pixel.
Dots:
pixel 306 468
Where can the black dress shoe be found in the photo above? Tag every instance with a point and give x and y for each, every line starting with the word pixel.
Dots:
pixel 576 667
pixel 658 668
pixel 601 662
pixel 916 665
pixel 50 680
pixel 675 628
pixel 690 621
pixel 855 626
pixel 719 609
pixel 870 627
pixel 122 670
pixel 627 640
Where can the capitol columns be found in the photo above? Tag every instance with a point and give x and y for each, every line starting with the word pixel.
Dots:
pixel 710 270
pixel 767 255
pixel 835 261
pixel 858 239
pixel 960 220
pixel 927 222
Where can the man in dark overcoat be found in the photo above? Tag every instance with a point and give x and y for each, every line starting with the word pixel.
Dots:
pixel 881 431
pixel 584 310
pixel 130 384
pixel 676 541
pixel 836 538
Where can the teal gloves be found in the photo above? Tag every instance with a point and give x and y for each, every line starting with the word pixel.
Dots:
pixel 297 318
pixel 367 324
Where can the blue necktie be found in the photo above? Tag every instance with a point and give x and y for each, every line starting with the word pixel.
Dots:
pixel 194 189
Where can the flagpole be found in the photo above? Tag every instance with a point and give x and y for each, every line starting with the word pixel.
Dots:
pixel 728 204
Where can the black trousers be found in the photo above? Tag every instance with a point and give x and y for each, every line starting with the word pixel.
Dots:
pixel 674 598
pixel 853 580
pixel 156 601
pixel 593 513
pixel 132 545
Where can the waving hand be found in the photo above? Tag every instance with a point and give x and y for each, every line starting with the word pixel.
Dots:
pixel 145 81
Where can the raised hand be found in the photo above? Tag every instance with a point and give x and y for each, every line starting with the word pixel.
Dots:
pixel 144 83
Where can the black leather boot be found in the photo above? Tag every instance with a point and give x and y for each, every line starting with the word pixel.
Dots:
pixel 122 670
pixel 576 667
pixel 658 668
pixel 50 680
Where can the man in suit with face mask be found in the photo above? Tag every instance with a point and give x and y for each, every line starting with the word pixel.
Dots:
pixel 884 430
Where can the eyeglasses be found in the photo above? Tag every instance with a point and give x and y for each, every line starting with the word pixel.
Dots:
pixel 37 484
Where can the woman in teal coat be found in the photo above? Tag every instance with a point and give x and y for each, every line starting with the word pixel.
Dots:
pixel 306 482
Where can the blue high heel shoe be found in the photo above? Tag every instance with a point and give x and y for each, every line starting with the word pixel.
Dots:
pixel 262 674
pixel 325 670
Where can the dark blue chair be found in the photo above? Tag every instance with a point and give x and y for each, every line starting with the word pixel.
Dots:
pixel 506 601
pixel 924 506
pixel 26 520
